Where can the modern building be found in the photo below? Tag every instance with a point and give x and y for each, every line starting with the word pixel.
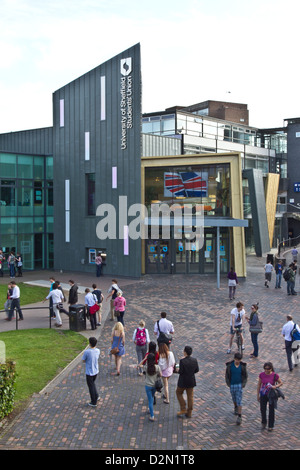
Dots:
pixel 78 187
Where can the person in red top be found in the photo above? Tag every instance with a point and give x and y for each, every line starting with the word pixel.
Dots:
pixel 152 349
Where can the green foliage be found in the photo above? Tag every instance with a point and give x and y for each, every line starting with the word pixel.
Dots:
pixel 7 387
pixel 39 354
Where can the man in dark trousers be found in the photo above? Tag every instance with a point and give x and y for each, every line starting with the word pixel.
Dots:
pixel 73 293
pixel 188 367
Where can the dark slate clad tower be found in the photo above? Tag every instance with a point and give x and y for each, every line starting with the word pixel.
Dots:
pixel 97 159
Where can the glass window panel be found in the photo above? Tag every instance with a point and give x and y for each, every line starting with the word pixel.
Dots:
pixel 38 225
pixel 169 185
pixel 8 226
pixel 250 163
pixel 8 243
pixel 8 198
pixel 168 126
pixel 25 166
pixel 25 225
pixel 8 165
pixel 26 248
pixel 263 165
pixel 38 167
pixel 49 222
pixel 25 201
pixel 49 167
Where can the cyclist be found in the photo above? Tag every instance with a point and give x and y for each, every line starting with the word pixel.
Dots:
pixel 236 321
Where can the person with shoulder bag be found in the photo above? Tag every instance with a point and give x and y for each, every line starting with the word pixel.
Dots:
pixel 153 371
pixel 255 328
pixel 268 381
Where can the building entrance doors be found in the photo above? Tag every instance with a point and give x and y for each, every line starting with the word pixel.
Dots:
pixel 177 256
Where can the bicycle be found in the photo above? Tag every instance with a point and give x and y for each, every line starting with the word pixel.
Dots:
pixel 238 339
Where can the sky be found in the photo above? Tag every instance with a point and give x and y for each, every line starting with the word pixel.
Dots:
pixel 192 51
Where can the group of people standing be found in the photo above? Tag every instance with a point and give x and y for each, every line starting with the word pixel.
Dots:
pixel 14 264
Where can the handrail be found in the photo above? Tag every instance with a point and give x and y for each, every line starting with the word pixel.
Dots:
pixel 30 308
pixel 288 243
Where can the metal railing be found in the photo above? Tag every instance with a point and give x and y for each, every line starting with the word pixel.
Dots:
pixel 289 243
pixel 29 308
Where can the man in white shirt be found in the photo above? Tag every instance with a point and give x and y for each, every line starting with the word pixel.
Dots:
pixel 236 321
pixel 15 302
pixel 286 333
pixel 90 300
pixel 57 297
pixel 268 273
pixel 163 325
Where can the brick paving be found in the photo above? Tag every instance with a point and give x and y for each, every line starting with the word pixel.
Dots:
pixel 59 418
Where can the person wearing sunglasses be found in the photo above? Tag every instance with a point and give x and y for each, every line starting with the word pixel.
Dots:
pixel 268 382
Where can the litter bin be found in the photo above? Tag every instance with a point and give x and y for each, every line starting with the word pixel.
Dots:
pixel 270 257
pixel 77 320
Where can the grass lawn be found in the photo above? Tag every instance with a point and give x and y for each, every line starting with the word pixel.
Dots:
pixel 28 294
pixel 40 354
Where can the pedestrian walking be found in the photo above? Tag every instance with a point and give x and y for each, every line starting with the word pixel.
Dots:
pixel 152 373
pixel 268 273
pixel 90 301
pixel 289 277
pixel 253 322
pixel 15 302
pixel 91 358
pixel 118 341
pixel 73 293
pixel 141 339
pixel 119 307
pixel 166 362
pixel 100 298
pixel 268 381
pixel 278 270
pixel 236 378
pixel 232 283
pixel 112 293
pixel 188 367
pixel 286 333
pixel 294 254
pixel 162 328
pixel 8 301
pixel 57 297
pixel 151 350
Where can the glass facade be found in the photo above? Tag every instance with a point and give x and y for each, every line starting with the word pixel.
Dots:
pixel 26 208
pixel 204 187
pixel 197 184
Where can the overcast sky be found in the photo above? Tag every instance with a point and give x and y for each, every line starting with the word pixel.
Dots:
pixel 192 50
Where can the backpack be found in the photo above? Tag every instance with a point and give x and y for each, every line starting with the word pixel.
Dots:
pixel 295 334
pixel 140 337
pixel 286 275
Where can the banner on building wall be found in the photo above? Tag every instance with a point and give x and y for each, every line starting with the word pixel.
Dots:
pixel 186 184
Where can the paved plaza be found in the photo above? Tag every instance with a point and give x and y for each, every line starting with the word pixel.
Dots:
pixel 59 418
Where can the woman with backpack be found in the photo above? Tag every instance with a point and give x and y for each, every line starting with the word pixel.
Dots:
pixel 141 339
